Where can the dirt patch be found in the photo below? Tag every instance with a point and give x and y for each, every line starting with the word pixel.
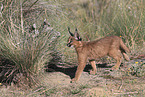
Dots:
pixel 97 91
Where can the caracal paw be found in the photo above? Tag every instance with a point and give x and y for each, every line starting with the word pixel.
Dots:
pixel 115 68
pixel 93 72
pixel 74 80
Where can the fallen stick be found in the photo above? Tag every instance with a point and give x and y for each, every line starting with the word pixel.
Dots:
pixel 127 93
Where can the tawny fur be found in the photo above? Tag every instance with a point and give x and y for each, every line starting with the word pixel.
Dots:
pixel 112 46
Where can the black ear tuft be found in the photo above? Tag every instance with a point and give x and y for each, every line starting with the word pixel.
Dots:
pixel 77 36
pixel 68 28
pixel 80 39
pixel 70 32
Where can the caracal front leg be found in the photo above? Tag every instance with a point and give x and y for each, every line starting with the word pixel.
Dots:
pixel 79 71
pixel 94 69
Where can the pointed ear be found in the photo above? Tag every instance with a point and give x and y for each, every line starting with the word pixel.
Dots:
pixel 77 36
pixel 70 32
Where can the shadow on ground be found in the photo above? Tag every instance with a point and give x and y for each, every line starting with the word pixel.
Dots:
pixel 70 71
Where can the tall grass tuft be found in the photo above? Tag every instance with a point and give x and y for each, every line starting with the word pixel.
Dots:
pixel 24 48
pixel 124 18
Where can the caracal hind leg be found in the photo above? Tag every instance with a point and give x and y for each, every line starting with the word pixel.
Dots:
pixel 116 67
pixel 126 56
pixel 94 69
pixel 117 56
pixel 79 71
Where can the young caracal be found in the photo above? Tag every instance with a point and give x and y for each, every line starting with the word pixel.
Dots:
pixel 112 46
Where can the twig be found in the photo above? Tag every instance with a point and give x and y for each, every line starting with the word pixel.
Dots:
pixel 2 22
pixel 22 17
pixel 127 93
pixel 38 89
pixel 33 4
pixel 121 85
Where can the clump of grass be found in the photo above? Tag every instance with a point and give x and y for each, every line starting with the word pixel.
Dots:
pixel 28 54
pixel 125 19
pixel 23 50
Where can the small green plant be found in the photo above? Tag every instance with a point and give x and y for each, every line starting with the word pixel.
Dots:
pixel 137 69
